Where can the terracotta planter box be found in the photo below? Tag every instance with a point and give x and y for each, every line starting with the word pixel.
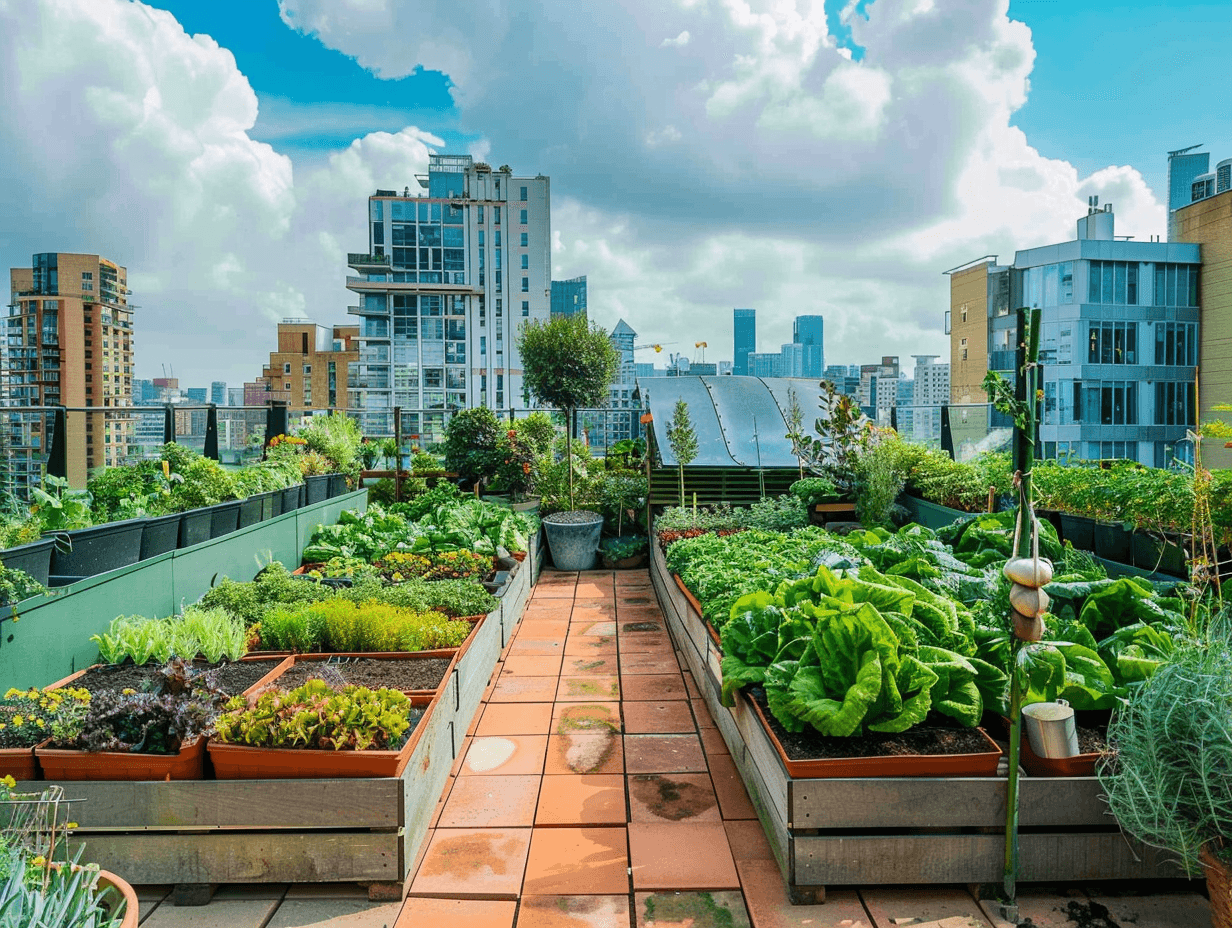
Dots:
pixel 58 764
pixel 18 763
pixel 243 762
pixel 983 764
pixel 449 654
pixel 277 669
pixel 1080 765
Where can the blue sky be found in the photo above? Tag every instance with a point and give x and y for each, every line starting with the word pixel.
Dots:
pixel 703 154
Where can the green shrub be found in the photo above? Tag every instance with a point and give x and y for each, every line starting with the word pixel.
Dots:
pixel 813 490
pixel 297 627
pixel 784 514
pixel 337 438
pixel 472 444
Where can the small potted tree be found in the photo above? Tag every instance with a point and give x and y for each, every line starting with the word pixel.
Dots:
pixel 568 363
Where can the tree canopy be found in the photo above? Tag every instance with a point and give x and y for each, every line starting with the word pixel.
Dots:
pixel 567 362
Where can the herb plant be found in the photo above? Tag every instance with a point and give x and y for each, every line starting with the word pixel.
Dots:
pixel 317 717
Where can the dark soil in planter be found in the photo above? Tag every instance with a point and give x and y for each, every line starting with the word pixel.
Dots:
pixel 391 674
pixel 922 739
pixel 1092 740
pixel 232 677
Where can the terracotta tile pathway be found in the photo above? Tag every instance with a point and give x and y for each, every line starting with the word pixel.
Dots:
pixel 593 791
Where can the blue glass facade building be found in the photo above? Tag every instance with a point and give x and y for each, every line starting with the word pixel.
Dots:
pixel 744 339
pixel 569 297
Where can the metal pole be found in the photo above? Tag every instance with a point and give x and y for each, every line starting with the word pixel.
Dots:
pixel 398 460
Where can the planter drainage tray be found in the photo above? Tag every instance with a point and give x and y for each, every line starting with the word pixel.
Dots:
pixel 232 677
pixel 972 753
pixel 189 764
pixel 242 762
pixel 423 672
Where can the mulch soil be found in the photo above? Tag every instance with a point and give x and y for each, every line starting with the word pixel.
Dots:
pixel 420 674
pixel 922 739
pixel 231 677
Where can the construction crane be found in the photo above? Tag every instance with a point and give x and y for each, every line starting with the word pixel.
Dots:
pixel 657 346
pixel 702 347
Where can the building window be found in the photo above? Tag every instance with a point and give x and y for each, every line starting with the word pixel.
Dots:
pixel 1174 403
pixel 1176 343
pixel 286 368
pixel 526 285
pixel 525 262
pixel 525 239
pixel 1106 402
pixel 496 238
pixel 1113 343
pixel 525 309
pixel 523 196
pixel 496 215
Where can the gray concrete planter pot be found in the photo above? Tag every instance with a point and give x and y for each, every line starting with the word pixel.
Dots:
pixel 160 535
pixel 573 538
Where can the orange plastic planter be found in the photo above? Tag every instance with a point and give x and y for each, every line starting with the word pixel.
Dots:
pixel 58 764
pixel 18 763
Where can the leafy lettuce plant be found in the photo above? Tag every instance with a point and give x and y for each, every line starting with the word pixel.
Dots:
pixel 318 717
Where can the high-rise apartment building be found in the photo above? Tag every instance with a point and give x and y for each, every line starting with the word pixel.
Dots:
pixel 69 343
pixel 764 363
pixel 1184 167
pixel 744 338
pixel 448 278
pixel 1118 345
pixel 932 381
pixel 810 331
pixel 310 369
pixel 218 393
pixel 1207 220
pixel 569 297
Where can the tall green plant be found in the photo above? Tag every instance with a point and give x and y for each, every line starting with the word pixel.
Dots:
pixel 683 439
pixel 567 363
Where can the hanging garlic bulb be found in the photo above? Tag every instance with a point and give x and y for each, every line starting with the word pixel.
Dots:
pixel 1029 572
pixel 1028 601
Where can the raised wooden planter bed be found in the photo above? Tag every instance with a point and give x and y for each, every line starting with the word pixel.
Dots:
pixel 364 830
pixel 886 830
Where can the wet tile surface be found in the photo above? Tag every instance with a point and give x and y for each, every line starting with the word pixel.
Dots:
pixel 588 688
pixel 672 797
pixel 508 754
pixel 473 913
pixel 476 863
pixel 653 686
pixel 491 802
pixel 585 752
pixel 664 717
pixel 577 860
pixel 574 912
pixel 593 799
pixel 515 718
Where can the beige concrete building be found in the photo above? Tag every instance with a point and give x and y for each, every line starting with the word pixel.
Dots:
pixel 311 368
pixel 70 343
pixel 972 302
pixel 1208 222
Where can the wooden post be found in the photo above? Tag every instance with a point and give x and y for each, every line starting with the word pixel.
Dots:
pixel 1024 460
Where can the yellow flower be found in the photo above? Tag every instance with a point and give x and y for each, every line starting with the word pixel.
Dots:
pixel 39 861
pixel 17 720
pixel 72 825
pixel 8 781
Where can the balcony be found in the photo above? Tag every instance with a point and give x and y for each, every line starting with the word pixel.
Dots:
pixel 361 261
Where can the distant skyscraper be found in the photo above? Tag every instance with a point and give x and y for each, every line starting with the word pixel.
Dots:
pixel 218 393
pixel 764 364
pixel 569 297
pixel 235 396
pixel 744 337
pixel 809 331
pixel 196 394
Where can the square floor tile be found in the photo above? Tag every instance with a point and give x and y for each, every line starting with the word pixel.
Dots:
pixel 640 625
pixel 574 912
pixel 597 664
pixel 491 802
pixel 701 712
pixel 577 861
pixel 585 752
pixel 570 717
pixel 531 666
pixel 664 754
pixel 593 610
pixel 672 797
pixel 642 643
pixel 646 686
pixel 508 754
pixel 515 718
pixel 765 893
pixel 729 786
pixel 476 863
pixel 671 716
pixel 523 689
pixel 225 914
pixel 681 856
pixel 596 588
pixel 648 662
pixel 588 688
pixel 582 800
pixel 696 910
pixel 532 645
pixel 473 913
pixel 359 913
pixel 690 686
pixel 590 646
pixel 592 628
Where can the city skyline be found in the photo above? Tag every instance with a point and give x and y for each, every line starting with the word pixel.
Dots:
pixel 222 153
